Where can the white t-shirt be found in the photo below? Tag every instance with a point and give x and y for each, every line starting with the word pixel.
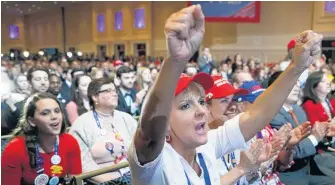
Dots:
pixel 169 167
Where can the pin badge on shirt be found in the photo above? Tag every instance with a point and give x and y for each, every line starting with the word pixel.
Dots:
pixel 54 181
pixel 41 179
pixel 55 159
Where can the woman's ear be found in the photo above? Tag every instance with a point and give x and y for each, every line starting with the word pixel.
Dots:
pixel 95 99
pixel 31 122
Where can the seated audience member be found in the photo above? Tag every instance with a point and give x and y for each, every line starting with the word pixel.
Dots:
pixel 191 70
pixel 79 103
pixel 65 89
pixel 214 72
pixel 104 134
pixel 299 173
pixel 54 87
pixel 206 62
pixel 285 157
pixel 39 81
pixel 22 90
pixel 315 101
pixel 40 152
pixel 239 77
pixel 127 101
pixel 172 145
pixel 154 73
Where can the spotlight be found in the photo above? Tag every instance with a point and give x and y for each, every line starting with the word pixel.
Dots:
pixel 41 53
pixel 69 54
pixel 26 54
pixel 79 53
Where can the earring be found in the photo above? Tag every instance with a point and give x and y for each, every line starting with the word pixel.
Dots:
pixel 168 138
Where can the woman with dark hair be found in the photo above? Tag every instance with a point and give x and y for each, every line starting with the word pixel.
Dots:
pixel 40 152
pixel 22 90
pixel 318 107
pixel 104 133
pixel 80 103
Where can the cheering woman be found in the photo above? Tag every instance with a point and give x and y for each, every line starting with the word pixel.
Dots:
pixel 41 153
pixel 172 145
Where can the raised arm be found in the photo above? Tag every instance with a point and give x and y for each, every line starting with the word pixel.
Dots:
pixel 262 111
pixel 184 32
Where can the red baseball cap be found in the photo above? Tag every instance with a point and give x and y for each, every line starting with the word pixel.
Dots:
pixel 203 79
pixel 117 63
pixel 291 44
pixel 222 88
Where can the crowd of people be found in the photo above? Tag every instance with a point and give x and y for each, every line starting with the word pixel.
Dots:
pixel 176 121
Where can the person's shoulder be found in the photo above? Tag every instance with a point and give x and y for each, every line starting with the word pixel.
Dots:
pixel 68 139
pixel 118 113
pixel 16 145
pixel 309 103
pixel 71 104
pixel 83 120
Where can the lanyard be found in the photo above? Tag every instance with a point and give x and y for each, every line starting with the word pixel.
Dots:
pixel 95 114
pixel 204 169
pixel 233 162
pixel 97 119
pixel 40 160
pixel 330 108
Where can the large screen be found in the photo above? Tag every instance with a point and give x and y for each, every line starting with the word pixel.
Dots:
pixel 101 23
pixel 118 22
pixel 14 32
pixel 230 11
pixel 330 7
pixel 139 18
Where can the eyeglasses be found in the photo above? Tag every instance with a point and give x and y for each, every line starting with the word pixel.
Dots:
pixel 106 90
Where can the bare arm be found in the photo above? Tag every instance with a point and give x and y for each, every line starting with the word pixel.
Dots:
pixel 262 111
pixel 184 31
pixel 232 176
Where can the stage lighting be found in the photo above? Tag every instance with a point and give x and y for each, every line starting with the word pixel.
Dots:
pixel 26 54
pixel 69 54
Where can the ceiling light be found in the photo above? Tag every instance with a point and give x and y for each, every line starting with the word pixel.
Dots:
pixel 55 2
pixel 38 7
pixel 33 6
pixel 69 54
pixel 5 2
pixel 16 5
pixel 79 53
pixel 29 9
pixel 11 55
pixel 21 12
pixel 7 7
pixel 26 54
pixel 41 53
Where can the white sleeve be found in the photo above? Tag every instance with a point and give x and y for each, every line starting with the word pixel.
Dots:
pixel 143 174
pixel 228 138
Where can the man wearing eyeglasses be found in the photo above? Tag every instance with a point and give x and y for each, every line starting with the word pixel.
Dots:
pixel 300 172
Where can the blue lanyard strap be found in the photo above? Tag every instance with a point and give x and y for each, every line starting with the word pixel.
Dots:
pixel 330 108
pixel 39 160
pixel 233 163
pixel 97 119
pixel 259 135
pixel 204 169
